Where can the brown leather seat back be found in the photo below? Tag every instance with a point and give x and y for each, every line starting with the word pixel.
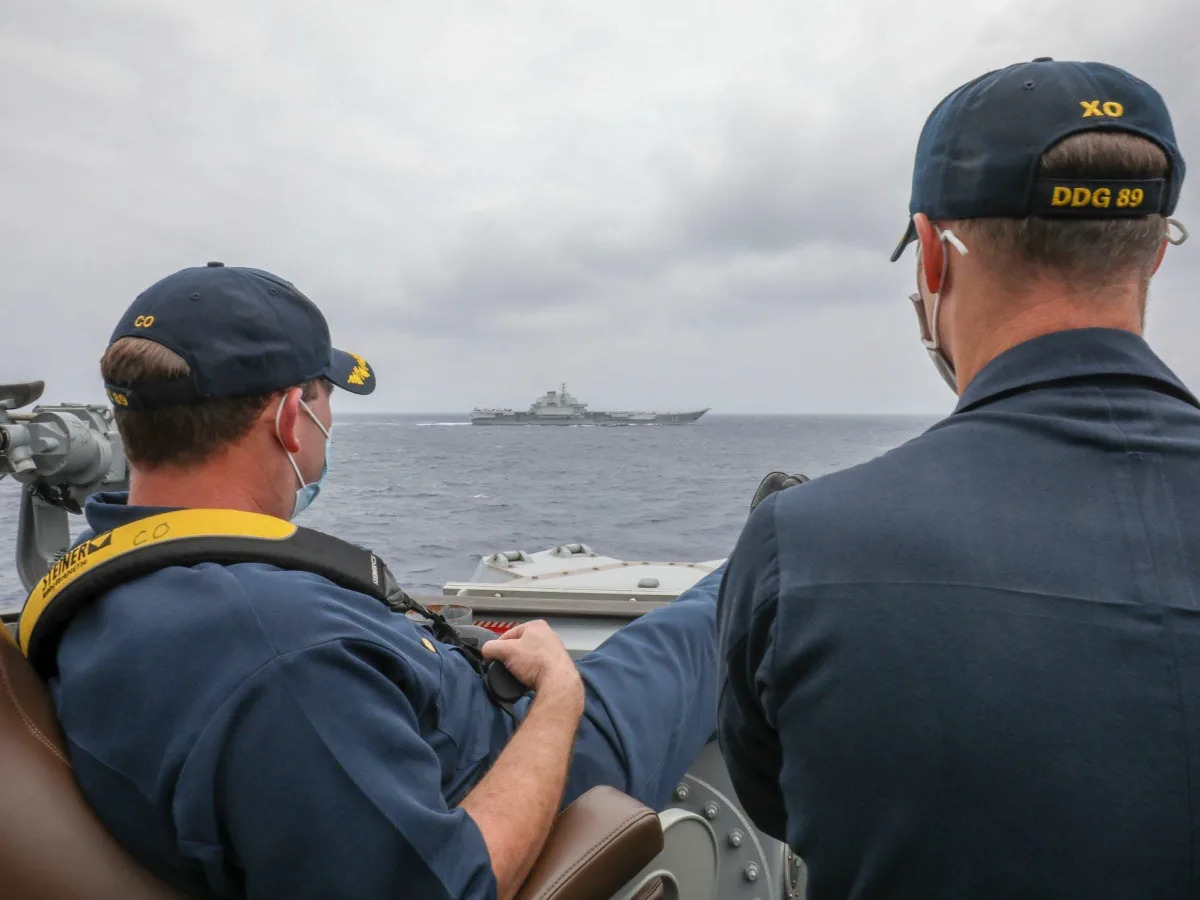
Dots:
pixel 52 846
pixel 596 846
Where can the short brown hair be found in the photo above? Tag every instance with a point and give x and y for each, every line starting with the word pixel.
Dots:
pixel 1089 252
pixel 175 435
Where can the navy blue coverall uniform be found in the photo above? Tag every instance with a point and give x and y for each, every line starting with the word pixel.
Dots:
pixel 970 668
pixel 247 731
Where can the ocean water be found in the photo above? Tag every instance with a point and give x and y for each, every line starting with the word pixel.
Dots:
pixel 432 494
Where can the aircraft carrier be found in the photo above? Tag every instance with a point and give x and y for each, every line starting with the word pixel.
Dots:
pixel 561 408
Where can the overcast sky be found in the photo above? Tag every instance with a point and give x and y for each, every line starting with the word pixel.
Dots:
pixel 665 203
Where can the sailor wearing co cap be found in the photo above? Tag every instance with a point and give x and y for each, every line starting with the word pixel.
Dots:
pixel 971 666
pixel 282 733
pixel 238 333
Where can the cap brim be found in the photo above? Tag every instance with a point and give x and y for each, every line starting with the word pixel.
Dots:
pixel 910 235
pixel 350 372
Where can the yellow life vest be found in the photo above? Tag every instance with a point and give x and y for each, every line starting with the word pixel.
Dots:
pixel 182 538
pixel 187 537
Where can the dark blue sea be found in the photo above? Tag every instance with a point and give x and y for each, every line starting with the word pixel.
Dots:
pixel 432 493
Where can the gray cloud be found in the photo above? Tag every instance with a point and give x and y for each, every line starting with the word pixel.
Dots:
pixel 666 204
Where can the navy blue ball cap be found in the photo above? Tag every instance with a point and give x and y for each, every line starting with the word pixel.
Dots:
pixel 979 151
pixel 241 331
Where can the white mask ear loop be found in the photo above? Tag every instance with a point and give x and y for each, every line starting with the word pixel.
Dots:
pixel 950 236
pixel 1183 232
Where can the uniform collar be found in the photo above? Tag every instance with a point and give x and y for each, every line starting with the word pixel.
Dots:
pixel 1061 355
pixel 107 510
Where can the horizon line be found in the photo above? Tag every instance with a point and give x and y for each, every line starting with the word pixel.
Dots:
pixel 710 414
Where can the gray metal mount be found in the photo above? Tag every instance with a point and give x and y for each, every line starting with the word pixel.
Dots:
pixel 61 455
pixel 742 864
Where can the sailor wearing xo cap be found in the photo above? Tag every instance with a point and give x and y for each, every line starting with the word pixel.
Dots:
pixel 971 666
pixel 997 156
pixel 251 724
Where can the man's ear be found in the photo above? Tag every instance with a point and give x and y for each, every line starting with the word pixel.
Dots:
pixel 1162 251
pixel 931 252
pixel 285 418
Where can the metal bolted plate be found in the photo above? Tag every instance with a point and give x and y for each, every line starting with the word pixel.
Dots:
pixel 751 865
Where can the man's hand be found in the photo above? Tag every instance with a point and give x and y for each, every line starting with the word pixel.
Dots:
pixel 516 802
pixel 536 657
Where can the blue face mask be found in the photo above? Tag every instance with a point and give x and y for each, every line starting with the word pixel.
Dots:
pixel 306 493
